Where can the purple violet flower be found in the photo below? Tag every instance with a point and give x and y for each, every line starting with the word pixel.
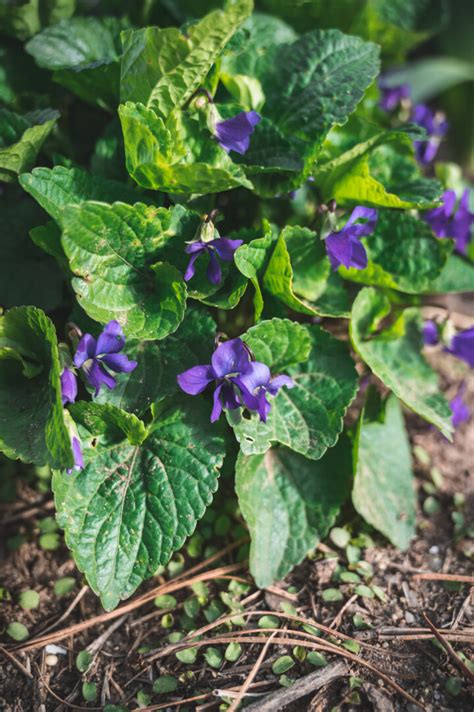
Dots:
pixel 392 96
pixel 93 355
pixel 77 453
pixel 435 125
pixel 239 381
pixel 430 333
pixel 445 221
pixel 68 386
pixel 223 246
pixel 462 346
pixel 256 383
pixel 459 409
pixel 344 247
pixel 229 360
pixel 234 134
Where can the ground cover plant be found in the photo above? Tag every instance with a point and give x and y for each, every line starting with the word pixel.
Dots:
pixel 217 236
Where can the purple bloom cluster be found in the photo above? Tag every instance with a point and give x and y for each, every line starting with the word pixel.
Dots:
pixel 392 96
pixel 223 247
pixel 234 134
pixel 435 125
pixel 239 381
pixel 344 247
pixel 446 221
pixel 96 357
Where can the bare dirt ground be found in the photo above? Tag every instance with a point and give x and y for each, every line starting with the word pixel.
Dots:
pixel 361 652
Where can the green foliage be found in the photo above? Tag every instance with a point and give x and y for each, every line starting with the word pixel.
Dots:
pixel 140 189
pixel 21 139
pixel 138 503
pixel 289 504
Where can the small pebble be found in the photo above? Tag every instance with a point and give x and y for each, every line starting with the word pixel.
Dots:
pixel 51 660
pixel 56 649
pixel 434 549
pixel 409 617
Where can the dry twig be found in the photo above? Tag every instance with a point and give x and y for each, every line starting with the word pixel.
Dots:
pixel 450 651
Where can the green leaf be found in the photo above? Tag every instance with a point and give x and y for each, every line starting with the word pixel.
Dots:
pixel 302 81
pixel 24 19
pixel 431 76
pixel 27 275
pixel 177 65
pixel 84 54
pixel 403 254
pixel 250 259
pixel 384 493
pixel 289 504
pixel 457 275
pixel 312 264
pixel 159 362
pixel 114 251
pixel 108 422
pixel 394 355
pixel 178 156
pixel 379 171
pixel 55 188
pixel 279 343
pixel 309 417
pixel 21 139
pixel 133 506
pixel 32 423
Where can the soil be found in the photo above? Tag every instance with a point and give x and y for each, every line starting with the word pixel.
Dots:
pixel 124 664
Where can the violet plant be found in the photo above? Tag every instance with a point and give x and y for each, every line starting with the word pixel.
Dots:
pixel 236 233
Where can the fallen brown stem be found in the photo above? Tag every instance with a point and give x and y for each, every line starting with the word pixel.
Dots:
pixel 459 578
pixel 450 650
pixel 305 685
pixel 13 659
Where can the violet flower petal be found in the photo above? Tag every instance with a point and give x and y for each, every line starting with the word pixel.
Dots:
pixel 459 409
pixel 231 357
pixel 111 340
pixel 430 333
pixel 214 273
pixel 85 350
pixel 120 363
pixel 77 455
pixel 68 386
pixel 195 379
pixel 462 346
pixel 191 269
pixel 234 134
pixel 98 376
pixel 225 247
pixel 278 382
pixel 216 407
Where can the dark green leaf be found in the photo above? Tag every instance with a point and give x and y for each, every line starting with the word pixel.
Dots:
pixel 457 275
pixel 21 138
pixel 55 188
pixel 132 506
pixel 289 504
pixel 27 275
pixel 114 251
pixel 25 18
pixel 279 343
pixel 32 423
pixel 109 422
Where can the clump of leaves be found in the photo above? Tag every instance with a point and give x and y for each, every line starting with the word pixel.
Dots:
pixel 239 183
